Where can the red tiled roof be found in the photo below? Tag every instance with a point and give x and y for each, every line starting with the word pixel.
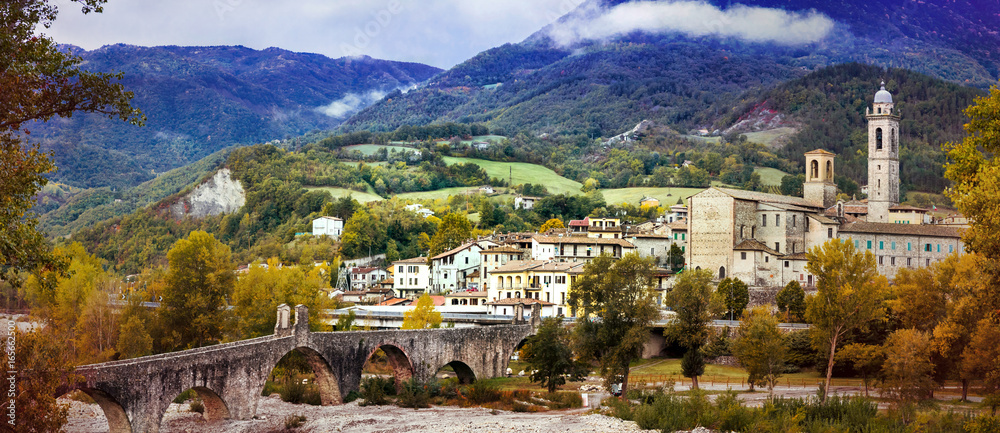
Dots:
pixel 413 260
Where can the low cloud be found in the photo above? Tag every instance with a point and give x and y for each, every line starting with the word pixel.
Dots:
pixel 351 103
pixel 694 18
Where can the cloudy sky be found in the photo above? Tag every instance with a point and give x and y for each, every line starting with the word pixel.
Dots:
pixel 436 32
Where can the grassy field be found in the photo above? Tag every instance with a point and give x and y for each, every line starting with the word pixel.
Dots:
pixel 434 195
pixel 524 173
pixel 667 196
pixel 771 137
pixel 363 197
pixel 714 140
pixel 770 176
pixel 370 149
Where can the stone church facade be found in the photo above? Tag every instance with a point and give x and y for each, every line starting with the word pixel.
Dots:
pixel 762 238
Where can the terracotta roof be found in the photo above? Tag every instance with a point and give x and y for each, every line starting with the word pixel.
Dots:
pixel 754 245
pixel 502 249
pixel 517 266
pixel 413 260
pixel 364 270
pixel 582 240
pixel 767 198
pixel 908 207
pixel 395 301
pixel 580 223
pixel 902 229
pixel 796 256
pixel 454 250
pixel 558 266
pixel 678 225
pixel 480 294
pixel 822 219
pixel 515 301
pixel 650 235
pixel 438 300
pixel 820 152
pixel 474 274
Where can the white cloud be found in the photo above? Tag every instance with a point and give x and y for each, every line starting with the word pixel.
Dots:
pixel 694 18
pixel 351 103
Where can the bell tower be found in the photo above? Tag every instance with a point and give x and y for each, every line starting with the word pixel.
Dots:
pixel 883 157
pixel 819 187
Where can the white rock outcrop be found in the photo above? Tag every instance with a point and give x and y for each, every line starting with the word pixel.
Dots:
pixel 218 195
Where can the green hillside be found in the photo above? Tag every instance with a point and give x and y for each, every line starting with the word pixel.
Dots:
pixel 667 196
pixel 521 172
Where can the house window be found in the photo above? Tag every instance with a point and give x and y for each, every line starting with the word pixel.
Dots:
pixel 880 260
pixel 777 220
pixel 562 298
pixel 560 279
pixel 786 263
pixel 683 236
pixel 777 246
pixel 939 248
pixel 869 245
pixel 766 259
pixel 763 220
pixel 951 248
pixel 466 260
pixel 927 248
pixel 909 246
pixel 857 244
pixel 743 256
pixel 892 261
pixel 793 220
pixel 928 262
pixel 909 262
pixel 829 232
pixel 652 251
pixel 881 245
pixel 894 245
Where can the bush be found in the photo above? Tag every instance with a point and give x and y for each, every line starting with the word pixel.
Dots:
pixel 618 408
pixel 374 390
pixel 185 396
pixel 732 416
pixel 414 394
pixel 296 392
pixel 351 396
pixel 564 400
pixel 483 391
pixel 197 406
pixel 294 421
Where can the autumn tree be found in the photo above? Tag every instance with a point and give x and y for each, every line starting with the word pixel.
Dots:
pixel 849 294
pixel 615 306
pixel 453 230
pixel 552 223
pixel 43 365
pixel 791 301
pixel 760 348
pixel 423 315
pixel 259 292
pixel 907 372
pixel 199 282
pixel 362 236
pixel 549 356
pixel 693 300
pixel 866 359
pixel 734 295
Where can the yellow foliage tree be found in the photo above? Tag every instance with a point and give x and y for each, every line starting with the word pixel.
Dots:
pixel 258 293
pixel 554 223
pixel 423 315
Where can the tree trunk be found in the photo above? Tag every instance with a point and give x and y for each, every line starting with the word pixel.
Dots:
pixel 829 368
pixel 965 389
pixel 625 383
pixel 694 382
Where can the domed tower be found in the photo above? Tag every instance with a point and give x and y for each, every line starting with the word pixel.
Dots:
pixel 883 157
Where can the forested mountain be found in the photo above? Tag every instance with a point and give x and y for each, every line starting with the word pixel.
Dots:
pixel 601 81
pixel 199 100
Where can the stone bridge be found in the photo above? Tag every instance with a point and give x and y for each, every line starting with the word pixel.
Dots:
pixel 229 378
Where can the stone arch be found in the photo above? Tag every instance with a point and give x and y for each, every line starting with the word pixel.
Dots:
pixel 878 138
pixel 215 407
pixel 829 170
pixel 326 381
pixel 118 421
pixel 399 361
pixel 722 272
pixel 462 371
pixel 814 169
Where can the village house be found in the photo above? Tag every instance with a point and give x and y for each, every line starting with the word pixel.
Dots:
pixel 367 276
pixel 493 258
pixel 328 226
pixel 411 277
pixel 547 281
pixel 577 248
pixel 525 202
pixel 450 268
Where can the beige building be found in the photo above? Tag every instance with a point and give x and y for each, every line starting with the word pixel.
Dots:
pixel 577 248
pixel 547 281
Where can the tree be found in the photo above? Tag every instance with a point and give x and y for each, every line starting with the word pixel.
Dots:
pixel 615 306
pixel 362 236
pixel 792 184
pixel 866 359
pixel 549 356
pixel 42 365
pixel 907 372
pixel 791 301
pixel 258 293
pixel 391 251
pixel 735 295
pixel 553 223
pixel 423 315
pixel 675 258
pixel 199 281
pixel 849 295
pixel 692 299
pixel 454 230
pixel 760 348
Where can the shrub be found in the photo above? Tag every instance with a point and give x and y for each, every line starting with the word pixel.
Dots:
pixel 185 396
pixel 564 400
pixel 375 389
pixel 414 394
pixel 197 406
pixel 294 421
pixel 351 396
pixel 519 407
pixel 983 424
pixel 618 408
pixel 732 416
pixel 270 387
pixel 482 392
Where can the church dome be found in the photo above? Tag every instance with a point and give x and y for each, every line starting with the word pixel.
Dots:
pixel 883 96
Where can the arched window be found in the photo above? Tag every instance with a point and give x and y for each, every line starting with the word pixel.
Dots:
pixel 722 272
pixel 814 169
pixel 878 138
pixel 829 170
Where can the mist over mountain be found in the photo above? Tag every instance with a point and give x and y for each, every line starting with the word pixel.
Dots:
pixel 199 100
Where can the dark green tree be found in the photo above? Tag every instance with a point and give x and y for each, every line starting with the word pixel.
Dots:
pixel 792 184
pixel 200 279
pixel 549 355
pixel 735 296
pixel 615 304
pixel 454 230
pixel 791 301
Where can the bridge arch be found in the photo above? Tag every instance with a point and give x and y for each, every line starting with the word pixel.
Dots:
pixel 399 361
pixel 118 421
pixel 326 381
pixel 215 408
pixel 462 370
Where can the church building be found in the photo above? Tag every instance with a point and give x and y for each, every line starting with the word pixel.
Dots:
pixel 762 238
